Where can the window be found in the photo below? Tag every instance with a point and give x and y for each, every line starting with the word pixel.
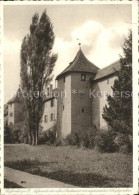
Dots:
pixel 11 123
pixel 63 107
pixel 10 105
pixel 108 81
pixel 11 114
pixel 82 110
pixel 45 118
pixel 52 102
pixel 83 77
pixel 52 117
pixel 64 79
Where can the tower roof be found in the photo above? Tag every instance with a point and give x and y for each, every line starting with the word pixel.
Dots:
pixel 80 64
pixel 15 98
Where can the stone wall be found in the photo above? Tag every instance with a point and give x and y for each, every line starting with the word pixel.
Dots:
pixel 100 89
pixel 81 110
pixel 48 110
pixel 64 106
pixel 15 110
pixel 11 112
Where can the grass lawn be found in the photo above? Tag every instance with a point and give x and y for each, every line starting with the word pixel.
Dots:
pixel 76 166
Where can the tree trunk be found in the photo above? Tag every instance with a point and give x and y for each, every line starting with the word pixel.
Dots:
pixel 36 135
pixel 33 139
pixel 36 140
pixel 30 137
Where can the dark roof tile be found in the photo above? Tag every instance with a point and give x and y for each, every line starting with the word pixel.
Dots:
pixel 80 64
pixel 15 98
pixel 109 70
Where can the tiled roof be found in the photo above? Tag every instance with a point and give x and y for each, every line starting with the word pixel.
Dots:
pixel 80 64
pixel 111 69
pixel 15 98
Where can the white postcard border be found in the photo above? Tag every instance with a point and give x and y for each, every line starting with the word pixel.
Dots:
pixel 41 191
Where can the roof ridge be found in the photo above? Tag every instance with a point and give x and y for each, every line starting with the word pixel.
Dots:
pixel 110 65
pixel 108 70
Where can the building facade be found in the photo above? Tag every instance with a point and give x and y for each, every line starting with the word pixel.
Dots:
pixel 14 111
pixel 50 114
pixel 86 88
pixel 81 95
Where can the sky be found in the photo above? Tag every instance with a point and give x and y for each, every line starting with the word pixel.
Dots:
pixel 101 30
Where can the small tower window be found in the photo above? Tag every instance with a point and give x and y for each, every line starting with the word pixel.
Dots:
pixel 82 110
pixel 64 79
pixel 63 107
pixel 83 77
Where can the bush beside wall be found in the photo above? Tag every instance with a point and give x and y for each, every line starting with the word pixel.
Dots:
pixel 103 141
pixel 48 136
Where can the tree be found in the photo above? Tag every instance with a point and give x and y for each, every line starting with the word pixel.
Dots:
pixel 118 112
pixel 37 63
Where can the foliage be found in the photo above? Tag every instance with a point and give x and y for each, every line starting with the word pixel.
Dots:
pixel 100 140
pixel 124 143
pixel 118 112
pixel 83 139
pixel 23 138
pixel 48 136
pixel 37 63
pixel 104 141
pixel 15 134
pixel 8 134
pixel 71 140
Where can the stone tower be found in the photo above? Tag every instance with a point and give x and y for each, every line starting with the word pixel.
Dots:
pixel 74 102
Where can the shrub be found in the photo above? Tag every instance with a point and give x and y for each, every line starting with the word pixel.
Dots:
pixel 85 139
pixel 123 142
pixel 71 139
pixel 16 135
pixel 124 149
pixel 104 141
pixel 48 136
pixel 42 138
pixel 23 138
pixel 11 135
pixel 8 134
